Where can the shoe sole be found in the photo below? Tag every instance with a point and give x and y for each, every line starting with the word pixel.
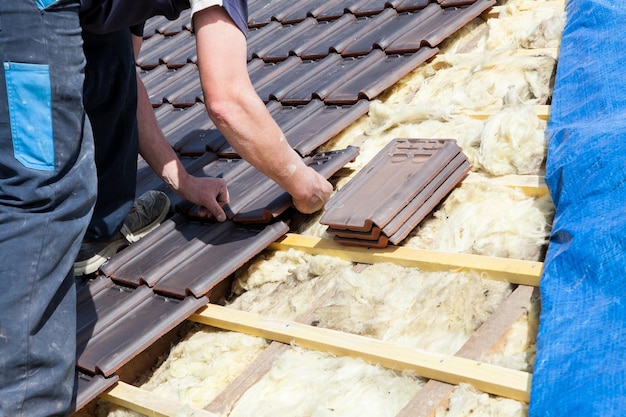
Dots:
pixel 91 265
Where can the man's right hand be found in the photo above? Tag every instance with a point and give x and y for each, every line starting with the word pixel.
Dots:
pixel 312 193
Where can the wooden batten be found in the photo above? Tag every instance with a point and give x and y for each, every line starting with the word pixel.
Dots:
pixel 501 269
pixel 492 379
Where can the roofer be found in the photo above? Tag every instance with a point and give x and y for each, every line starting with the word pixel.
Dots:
pixel 48 181
pixel 231 101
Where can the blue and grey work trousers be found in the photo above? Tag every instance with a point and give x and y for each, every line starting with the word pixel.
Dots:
pixel 47 193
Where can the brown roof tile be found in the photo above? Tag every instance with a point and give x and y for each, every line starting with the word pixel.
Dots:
pixel 134 330
pixel 90 386
pixel 421 172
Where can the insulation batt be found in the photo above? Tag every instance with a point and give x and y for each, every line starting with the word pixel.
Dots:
pixel 455 83
pixel 540 27
pixel 512 142
pixel 486 65
pixel 384 301
pixel 487 220
pixel 309 383
pixel 197 369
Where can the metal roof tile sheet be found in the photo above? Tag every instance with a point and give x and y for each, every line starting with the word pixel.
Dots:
pixel 222 256
pixel 408 5
pixel 380 76
pixel 181 242
pixel 173 237
pixel 116 262
pixel 174 50
pixel 105 309
pixel 440 25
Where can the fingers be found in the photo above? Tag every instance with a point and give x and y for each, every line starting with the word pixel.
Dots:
pixel 212 212
pixel 213 206
pixel 210 195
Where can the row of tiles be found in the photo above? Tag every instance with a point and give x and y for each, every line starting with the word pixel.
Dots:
pixel 263 12
pixel 361 49
pixel 349 35
pixel 292 64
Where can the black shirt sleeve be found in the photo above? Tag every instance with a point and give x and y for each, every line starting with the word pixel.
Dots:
pixel 103 16
pixel 137 29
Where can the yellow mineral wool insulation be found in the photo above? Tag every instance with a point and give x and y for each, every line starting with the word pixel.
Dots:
pixel 292 267
pixel 487 220
pixel 453 83
pixel 198 368
pixel 296 295
pixel 436 311
pixel 316 384
pixel 466 401
pixel 512 142
pixel 539 27
pixel 268 267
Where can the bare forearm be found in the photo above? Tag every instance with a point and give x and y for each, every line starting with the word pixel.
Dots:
pixel 241 115
pixel 153 146
pixel 256 137
pixel 208 193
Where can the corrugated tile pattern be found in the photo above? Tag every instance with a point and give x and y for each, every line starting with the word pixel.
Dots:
pixel 340 54
pixel 253 198
pixel 423 171
pixel 317 64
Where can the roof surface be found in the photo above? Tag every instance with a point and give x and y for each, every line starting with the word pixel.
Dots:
pixel 316 65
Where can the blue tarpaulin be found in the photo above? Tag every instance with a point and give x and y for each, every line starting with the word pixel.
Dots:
pixel 580 367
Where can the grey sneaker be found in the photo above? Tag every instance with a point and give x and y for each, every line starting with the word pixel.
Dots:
pixel 147 212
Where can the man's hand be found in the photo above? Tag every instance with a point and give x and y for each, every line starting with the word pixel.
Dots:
pixel 313 192
pixel 209 194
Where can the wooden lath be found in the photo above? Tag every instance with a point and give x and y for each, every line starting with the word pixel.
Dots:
pixel 500 269
pixel 531 185
pixel 148 403
pixel 541 110
pixel 492 379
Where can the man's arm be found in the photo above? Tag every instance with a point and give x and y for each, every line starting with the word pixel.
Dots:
pixel 241 116
pixel 210 194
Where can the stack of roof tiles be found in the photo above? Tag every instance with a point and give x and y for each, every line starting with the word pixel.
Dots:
pixel 316 64
pixel 395 191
